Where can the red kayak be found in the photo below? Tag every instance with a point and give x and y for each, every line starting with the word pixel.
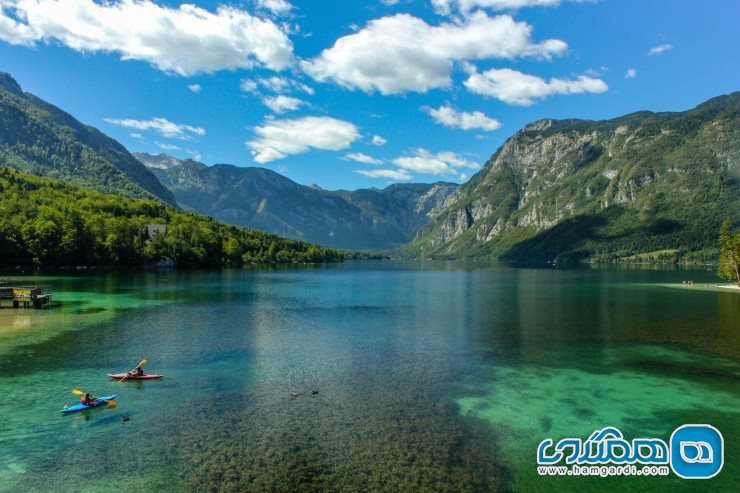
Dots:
pixel 129 376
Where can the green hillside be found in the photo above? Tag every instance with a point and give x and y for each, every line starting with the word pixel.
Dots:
pixel 38 137
pixel 47 223
pixel 643 187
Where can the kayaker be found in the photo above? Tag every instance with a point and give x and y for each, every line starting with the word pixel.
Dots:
pixel 87 399
pixel 138 372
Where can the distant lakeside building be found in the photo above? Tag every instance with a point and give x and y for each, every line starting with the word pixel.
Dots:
pixel 154 229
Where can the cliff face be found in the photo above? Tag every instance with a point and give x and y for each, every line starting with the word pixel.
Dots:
pixel 582 189
pixel 262 199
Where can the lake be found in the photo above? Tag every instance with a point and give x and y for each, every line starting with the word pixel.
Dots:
pixel 362 376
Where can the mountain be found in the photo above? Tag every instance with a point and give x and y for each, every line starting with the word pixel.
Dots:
pixel 262 199
pixel 49 223
pixel 643 186
pixel 40 138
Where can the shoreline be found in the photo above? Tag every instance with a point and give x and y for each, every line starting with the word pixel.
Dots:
pixel 729 287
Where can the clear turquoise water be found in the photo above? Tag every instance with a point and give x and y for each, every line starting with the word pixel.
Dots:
pixel 430 377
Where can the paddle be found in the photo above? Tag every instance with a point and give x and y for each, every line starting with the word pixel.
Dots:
pixel 142 362
pixel 111 402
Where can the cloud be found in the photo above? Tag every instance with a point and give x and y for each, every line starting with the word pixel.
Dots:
pixel 631 73
pixel 520 89
pixel 401 53
pixel 185 40
pixel 167 147
pixel 362 158
pixel 277 139
pixel 248 85
pixel 450 117
pixel 280 103
pixel 434 164
pixel 593 72
pixel 276 84
pixel 660 49
pixel 447 6
pixel 162 126
pixel 389 2
pixel 277 7
pixel 393 174
pixel 136 136
pixel 379 141
pixel 195 88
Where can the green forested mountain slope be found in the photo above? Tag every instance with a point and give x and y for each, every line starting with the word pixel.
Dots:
pixel 262 199
pixel 599 190
pixel 38 137
pixel 46 223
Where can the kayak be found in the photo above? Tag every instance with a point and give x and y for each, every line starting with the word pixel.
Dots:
pixel 134 377
pixel 82 407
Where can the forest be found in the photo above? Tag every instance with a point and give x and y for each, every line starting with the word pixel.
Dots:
pixel 47 223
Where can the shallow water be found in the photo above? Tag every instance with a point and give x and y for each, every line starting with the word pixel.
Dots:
pixel 430 377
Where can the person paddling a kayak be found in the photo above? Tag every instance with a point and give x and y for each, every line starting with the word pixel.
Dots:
pixel 87 399
pixel 138 372
pixel 89 402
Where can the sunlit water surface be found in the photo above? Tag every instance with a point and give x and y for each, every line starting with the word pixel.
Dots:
pixel 429 377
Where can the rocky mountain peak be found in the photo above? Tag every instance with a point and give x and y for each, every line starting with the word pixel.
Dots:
pixel 580 189
pixel 539 125
pixel 8 83
pixel 158 161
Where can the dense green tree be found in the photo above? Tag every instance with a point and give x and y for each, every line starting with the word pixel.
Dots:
pixel 47 223
pixel 729 260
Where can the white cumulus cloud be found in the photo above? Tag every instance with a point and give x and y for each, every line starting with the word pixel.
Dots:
pixel 195 88
pixel 162 126
pixel 450 117
pixel 281 103
pixel 427 162
pixel 447 6
pixel 277 7
pixel 362 158
pixel 401 53
pixel 631 73
pixel 277 139
pixel 393 174
pixel 379 141
pixel 660 49
pixel 521 89
pixel 185 40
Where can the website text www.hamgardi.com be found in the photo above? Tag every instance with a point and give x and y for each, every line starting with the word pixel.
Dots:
pixel 603 471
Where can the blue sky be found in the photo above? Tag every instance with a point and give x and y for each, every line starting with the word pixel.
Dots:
pixel 351 94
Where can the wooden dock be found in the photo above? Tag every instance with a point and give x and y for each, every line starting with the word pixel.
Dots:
pixel 23 296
